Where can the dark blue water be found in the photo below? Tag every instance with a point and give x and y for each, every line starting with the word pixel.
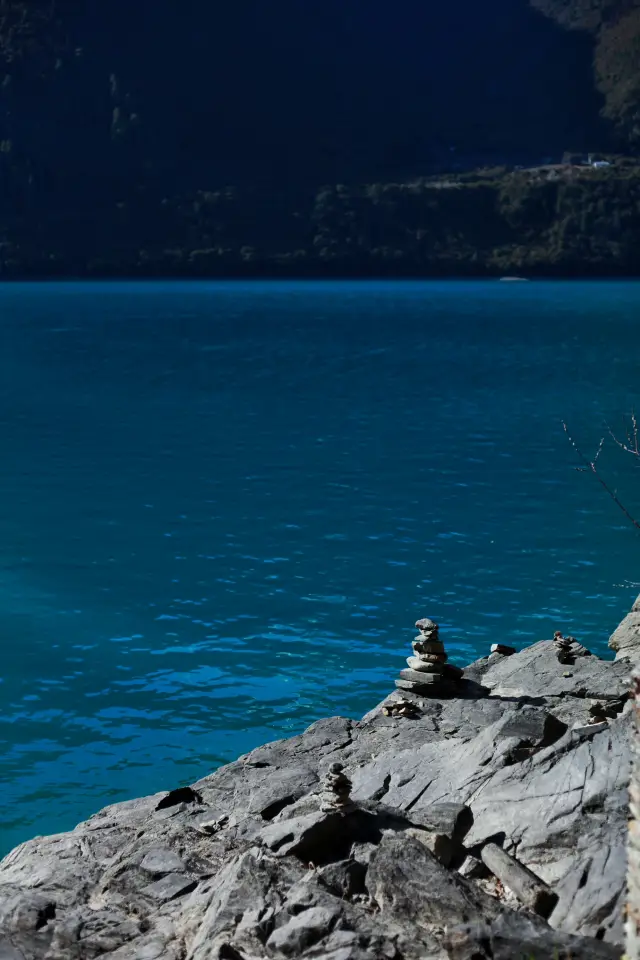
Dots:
pixel 224 506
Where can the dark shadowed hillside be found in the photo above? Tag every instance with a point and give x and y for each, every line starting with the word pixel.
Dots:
pixel 615 27
pixel 111 114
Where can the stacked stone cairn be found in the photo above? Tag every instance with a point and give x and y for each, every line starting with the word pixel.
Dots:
pixel 401 708
pixel 428 675
pixel 336 791
pixel 563 647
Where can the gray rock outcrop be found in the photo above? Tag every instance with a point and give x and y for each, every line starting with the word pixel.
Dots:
pixel 625 639
pixel 360 840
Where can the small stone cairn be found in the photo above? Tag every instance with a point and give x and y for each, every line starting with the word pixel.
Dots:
pixel 336 791
pixel 428 673
pixel 563 646
pixel 401 708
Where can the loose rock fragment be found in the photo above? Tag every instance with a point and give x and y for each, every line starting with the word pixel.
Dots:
pixel 169 887
pixel 529 889
pixel 302 931
pixel 472 868
pixel 211 827
pixel 503 649
pixel 597 714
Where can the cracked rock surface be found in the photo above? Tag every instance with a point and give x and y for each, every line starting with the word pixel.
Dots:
pixel 247 864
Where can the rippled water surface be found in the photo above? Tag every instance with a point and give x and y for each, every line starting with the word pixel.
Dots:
pixel 223 507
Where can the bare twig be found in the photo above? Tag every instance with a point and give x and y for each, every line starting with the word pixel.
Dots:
pixel 591 466
pixel 598 452
pixel 631 446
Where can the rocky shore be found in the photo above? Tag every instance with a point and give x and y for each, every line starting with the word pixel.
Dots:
pixel 471 816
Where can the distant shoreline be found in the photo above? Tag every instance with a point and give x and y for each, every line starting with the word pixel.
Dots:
pixel 571 223
pixel 314 275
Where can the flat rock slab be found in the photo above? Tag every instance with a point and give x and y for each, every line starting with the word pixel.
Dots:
pixel 625 640
pixel 169 887
pixel 536 672
pixel 302 931
pixel 162 861
pixel 505 939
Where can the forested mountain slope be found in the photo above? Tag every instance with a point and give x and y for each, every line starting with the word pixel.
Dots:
pixel 113 115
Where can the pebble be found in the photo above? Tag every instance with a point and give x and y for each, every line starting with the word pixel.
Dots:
pixel 211 827
pixel 401 708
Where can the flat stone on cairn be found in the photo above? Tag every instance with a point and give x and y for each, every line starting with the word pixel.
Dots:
pixel 428 673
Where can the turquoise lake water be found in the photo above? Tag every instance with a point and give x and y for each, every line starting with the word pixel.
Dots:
pixel 224 506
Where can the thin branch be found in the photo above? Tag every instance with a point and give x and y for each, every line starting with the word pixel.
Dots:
pixel 625 446
pixel 591 466
pixel 631 446
pixel 598 452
